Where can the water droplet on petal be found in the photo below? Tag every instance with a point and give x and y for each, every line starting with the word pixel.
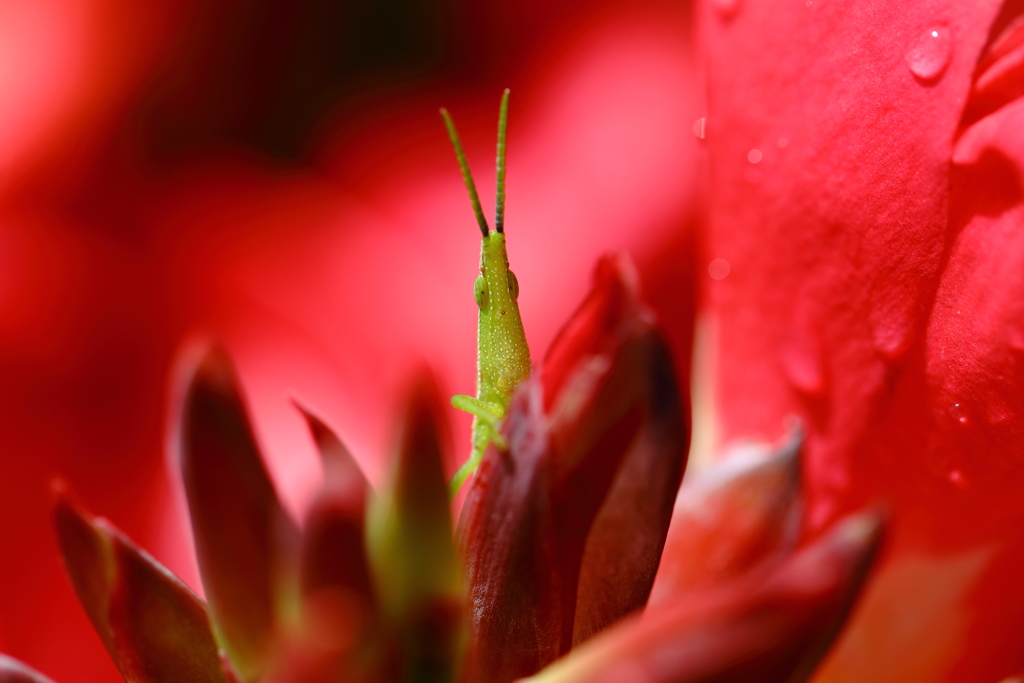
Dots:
pixel 803 360
pixel 782 142
pixel 895 321
pixel 754 156
pixel 718 269
pixel 726 8
pixel 957 477
pixel 699 126
pixel 930 53
pixel 958 412
pixel 804 372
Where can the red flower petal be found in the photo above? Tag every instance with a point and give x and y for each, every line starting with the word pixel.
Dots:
pixel 241 532
pixel 742 512
pixel 610 389
pixel 764 630
pixel 154 627
pixel 412 552
pixel 875 291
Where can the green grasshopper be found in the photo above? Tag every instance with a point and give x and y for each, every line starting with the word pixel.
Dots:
pixel 502 356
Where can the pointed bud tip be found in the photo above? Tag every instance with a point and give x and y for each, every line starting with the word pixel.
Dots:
pixel 322 434
pixel 620 265
pixel 862 529
pixel 59 489
pixel 66 507
pixel 215 368
pixel 58 486
pixel 611 310
pixel 792 443
pixel 14 671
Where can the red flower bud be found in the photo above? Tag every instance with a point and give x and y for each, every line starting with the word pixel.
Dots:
pixel 757 629
pixel 242 534
pixel 561 535
pixel 741 513
pixel 338 637
pixel 412 553
pixel 334 555
pixel 154 627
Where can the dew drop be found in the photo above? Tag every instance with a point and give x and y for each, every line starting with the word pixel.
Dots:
pixel 726 8
pixel 803 358
pixel 895 322
pixel 809 3
pixel 959 413
pixel 929 56
pixel 804 372
pixel 719 269
pixel 957 477
pixel 699 126
pixel 782 142
pixel 754 156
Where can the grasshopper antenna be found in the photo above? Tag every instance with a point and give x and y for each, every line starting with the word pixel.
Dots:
pixel 474 198
pixel 499 211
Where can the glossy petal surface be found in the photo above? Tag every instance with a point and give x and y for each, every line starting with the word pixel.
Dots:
pixel 875 291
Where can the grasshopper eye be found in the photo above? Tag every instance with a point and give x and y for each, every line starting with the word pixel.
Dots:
pixel 513 286
pixel 480 292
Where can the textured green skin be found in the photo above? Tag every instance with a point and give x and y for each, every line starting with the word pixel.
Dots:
pixel 503 358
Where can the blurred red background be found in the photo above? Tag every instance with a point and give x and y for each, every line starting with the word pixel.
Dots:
pixel 275 174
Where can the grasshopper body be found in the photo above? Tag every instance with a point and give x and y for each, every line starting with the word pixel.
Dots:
pixel 503 357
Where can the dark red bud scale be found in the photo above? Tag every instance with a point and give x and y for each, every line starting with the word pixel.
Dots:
pixel 155 628
pixel 242 535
